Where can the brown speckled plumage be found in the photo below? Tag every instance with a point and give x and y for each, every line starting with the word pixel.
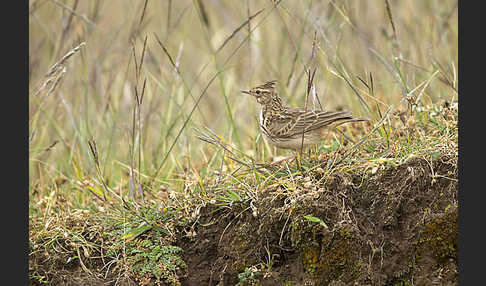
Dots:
pixel 283 126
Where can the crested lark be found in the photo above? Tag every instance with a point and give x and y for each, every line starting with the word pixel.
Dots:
pixel 284 126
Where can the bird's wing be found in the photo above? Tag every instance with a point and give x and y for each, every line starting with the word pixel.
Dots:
pixel 316 119
pixel 281 125
pixel 298 121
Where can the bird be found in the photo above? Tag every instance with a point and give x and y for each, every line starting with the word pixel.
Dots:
pixel 284 126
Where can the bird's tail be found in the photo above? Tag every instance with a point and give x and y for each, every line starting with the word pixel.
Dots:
pixel 345 117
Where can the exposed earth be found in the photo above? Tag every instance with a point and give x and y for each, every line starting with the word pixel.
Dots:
pixel 397 226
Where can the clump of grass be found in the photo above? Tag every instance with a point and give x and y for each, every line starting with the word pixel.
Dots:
pixel 108 243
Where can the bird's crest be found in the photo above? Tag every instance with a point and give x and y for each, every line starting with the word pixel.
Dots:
pixel 267 85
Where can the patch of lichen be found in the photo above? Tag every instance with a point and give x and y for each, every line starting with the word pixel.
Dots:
pixel 440 238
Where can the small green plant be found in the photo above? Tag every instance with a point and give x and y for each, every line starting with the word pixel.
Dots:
pixel 268 259
pixel 248 276
pixel 41 279
pixel 160 260
pixel 315 219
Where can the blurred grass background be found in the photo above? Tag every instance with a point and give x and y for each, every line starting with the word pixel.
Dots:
pixel 403 44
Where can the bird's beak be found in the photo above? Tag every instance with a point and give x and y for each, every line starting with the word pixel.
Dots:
pixel 245 91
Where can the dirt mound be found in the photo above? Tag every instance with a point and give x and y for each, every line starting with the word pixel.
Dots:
pixel 396 227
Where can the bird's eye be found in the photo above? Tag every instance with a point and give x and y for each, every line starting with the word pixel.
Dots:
pixel 257 92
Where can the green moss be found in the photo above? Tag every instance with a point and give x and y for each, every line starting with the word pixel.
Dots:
pixel 330 256
pixel 240 245
pixel 310 258
pixel 439 238
pixel 338 254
